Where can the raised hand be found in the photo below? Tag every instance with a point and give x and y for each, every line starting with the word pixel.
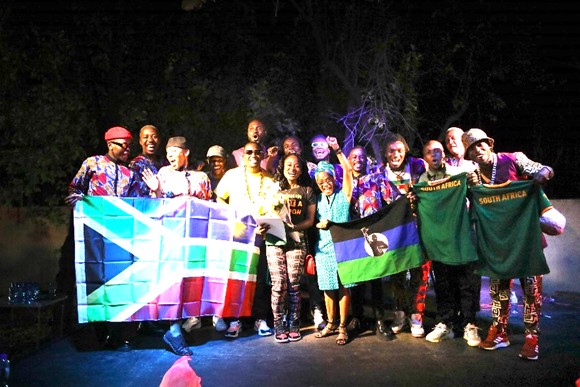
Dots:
pixel 150 179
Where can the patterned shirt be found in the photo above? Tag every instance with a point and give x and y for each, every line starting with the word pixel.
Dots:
pixel 404 179
pixel 100 176
pixel 461 162
pixel 138 165
pixel 184 183
pixel 512 166
pixel 370 193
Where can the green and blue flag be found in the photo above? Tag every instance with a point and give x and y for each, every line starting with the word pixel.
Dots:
pixel 384 243
pixel 162 259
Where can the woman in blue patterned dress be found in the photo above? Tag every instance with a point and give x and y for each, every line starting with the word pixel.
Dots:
pixel 333 205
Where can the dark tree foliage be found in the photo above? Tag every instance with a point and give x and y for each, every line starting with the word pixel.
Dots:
pixel 71 69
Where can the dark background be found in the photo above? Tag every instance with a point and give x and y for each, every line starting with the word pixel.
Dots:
pixel 71 69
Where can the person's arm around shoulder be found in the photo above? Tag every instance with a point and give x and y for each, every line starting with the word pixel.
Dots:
pixel 540 173
pixel 347 180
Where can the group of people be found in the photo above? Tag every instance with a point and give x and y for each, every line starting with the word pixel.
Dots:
pixel 258 179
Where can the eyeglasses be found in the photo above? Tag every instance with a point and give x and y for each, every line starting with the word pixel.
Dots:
pixel 324 181
pixel 256 152
pixel 321 144
pixel 124 145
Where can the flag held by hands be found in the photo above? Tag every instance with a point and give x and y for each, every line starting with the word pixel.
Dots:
pixel 162 259
pixel 379 245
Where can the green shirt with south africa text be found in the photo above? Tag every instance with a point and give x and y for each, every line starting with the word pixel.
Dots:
pixel 509 239
pixel 443 220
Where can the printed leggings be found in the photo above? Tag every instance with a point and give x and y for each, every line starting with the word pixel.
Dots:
pixel 285 268
pixel 500 289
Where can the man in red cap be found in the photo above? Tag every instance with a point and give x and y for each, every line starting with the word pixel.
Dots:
pixel 106 175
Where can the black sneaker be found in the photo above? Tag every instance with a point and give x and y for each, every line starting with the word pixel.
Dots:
pixel 384 332
pixel 353 326
pixel 177 344
pixel 113 343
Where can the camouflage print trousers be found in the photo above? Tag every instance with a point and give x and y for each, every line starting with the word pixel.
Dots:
pixel 500 289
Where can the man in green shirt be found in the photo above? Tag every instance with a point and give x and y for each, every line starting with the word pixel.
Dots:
pixel 445 233
pixel 496 169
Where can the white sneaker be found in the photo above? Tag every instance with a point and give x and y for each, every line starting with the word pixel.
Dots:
pixel 440 332
pixel 417 325
pixel 470 334
pixel 234 329
pixel 191 323
pixel 219 324
pixel 318 318
pixel 399 322
pixel 261 326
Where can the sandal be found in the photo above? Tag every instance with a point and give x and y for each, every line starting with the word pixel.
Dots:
pixel 328 330
pixel 342 335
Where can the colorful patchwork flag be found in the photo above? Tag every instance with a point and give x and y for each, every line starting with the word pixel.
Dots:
pixel 162 259
pixel 384 243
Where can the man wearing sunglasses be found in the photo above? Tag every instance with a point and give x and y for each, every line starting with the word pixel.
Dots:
pixel 321 152
pixel 248 188
pixel 257 133
pixel 107 175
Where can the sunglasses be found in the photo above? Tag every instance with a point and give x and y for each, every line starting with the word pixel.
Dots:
pixel 124 145
pixel 321 144
pixel 256 152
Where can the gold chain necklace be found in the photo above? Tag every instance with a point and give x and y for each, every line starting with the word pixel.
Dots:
pixel 399 175
pixel 248 185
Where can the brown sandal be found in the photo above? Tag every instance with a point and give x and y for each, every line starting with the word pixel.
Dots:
pixel 342 338
pixel 328 330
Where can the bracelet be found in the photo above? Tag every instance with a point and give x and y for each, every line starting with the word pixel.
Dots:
pixel 338 151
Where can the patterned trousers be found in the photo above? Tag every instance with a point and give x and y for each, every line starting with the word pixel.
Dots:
pixel 285 268
pixel 411 299
pixel 500 289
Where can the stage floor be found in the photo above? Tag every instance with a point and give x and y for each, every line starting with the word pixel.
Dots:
pixel 250 360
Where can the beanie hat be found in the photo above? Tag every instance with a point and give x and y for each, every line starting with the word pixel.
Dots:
pixel 117 132
pixel 178 141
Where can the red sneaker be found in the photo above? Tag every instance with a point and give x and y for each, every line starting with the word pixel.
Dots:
pixel 530 349
pixel 494 339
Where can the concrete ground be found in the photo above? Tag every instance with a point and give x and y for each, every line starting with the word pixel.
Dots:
pixel 250 360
